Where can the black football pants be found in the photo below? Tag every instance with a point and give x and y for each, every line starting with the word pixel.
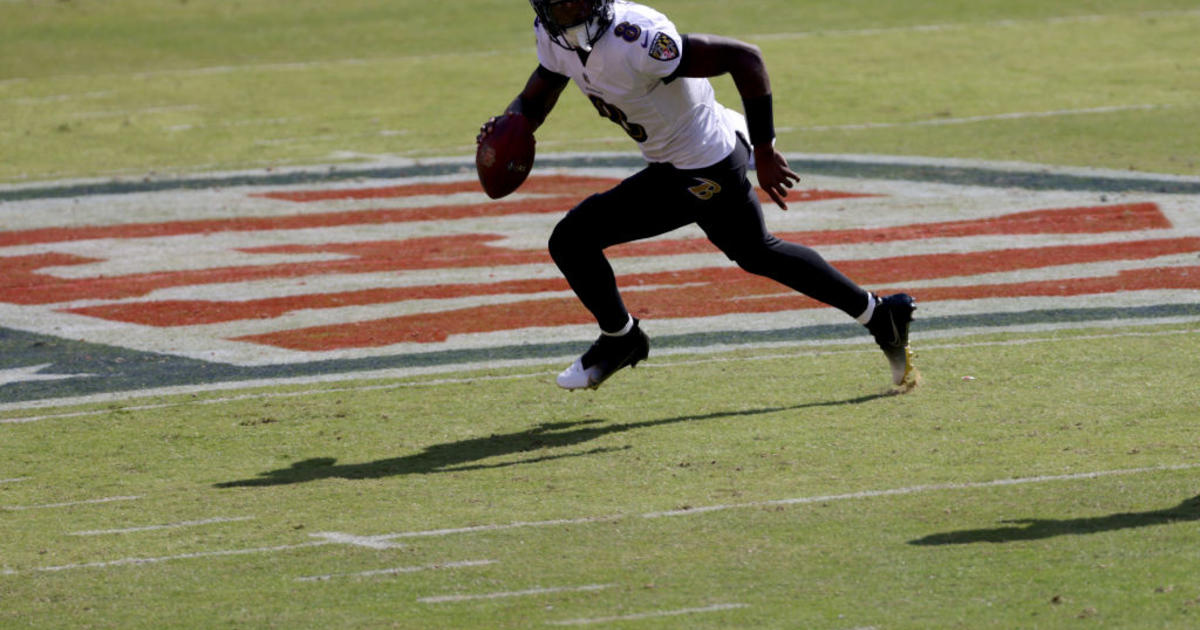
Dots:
pixel 660 198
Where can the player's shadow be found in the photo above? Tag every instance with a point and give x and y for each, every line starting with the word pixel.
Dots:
pixel 465 455
pixel 1035 529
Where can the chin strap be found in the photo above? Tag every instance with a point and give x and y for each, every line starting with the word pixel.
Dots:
pixel 580 36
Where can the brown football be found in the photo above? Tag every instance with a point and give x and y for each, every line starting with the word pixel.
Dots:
pixel 505 156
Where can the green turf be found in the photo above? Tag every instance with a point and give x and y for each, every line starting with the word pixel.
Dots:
pixel 740 431
pixel 131 87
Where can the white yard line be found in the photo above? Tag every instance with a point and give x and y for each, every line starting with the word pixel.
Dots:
pixel 164 109
pixel 60 98
pixel 148 528
pixel 938 28
pixel 44 506
pixel 647 615
pixel 399 570
pixel 861 32
pixel 975 119
pixel 439 599
pixel 154 560
pixel 866 494
pixel 183 390
pixel 371 542
pixel 15 479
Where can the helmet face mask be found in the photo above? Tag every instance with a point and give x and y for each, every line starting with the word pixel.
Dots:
pixel 574 24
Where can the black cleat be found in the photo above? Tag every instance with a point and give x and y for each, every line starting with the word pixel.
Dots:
pixel 607 355
pixel 889 326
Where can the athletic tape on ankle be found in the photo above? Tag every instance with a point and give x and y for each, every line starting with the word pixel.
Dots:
pixel 620 333
pixel 865 318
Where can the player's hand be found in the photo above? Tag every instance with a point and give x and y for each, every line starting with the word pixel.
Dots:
pixel 774 175
pixel 486 129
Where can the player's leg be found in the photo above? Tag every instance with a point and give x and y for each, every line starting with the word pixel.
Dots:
pixel 737 227
pixel 628 212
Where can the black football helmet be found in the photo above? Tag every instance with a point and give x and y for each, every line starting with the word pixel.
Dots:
pixel 562 20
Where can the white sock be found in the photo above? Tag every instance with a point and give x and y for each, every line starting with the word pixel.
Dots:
pixel 865 318
pixel 620 333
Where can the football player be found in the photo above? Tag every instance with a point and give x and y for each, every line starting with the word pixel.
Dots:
pixel 643 75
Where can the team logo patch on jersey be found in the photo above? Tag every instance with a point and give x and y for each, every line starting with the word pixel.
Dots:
pixel 706 189
pixel 664 48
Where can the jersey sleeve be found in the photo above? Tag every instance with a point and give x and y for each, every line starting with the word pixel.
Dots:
pixel 658 48
pixel 547 51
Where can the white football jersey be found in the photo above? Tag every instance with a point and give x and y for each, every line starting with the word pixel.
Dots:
pixel 679 122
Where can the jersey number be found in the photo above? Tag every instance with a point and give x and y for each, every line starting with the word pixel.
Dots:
pixel 635 131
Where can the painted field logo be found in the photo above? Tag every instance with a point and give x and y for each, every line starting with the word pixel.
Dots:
pixel 105 292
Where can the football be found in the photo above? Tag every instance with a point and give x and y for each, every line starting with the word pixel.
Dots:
pixel 504 157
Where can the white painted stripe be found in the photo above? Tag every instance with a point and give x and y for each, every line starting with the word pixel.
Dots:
pixel 67 504
pixel 155 560
pixel 148 528
pixel 648 515
pixel 492 528
pixel 937 28
pixel 399 570
pixel 164 109
pixel 15 479
pixel 985 118
pixel 59 98
pixel 918 28
pixel 648 615
pixel 371 542
pixel 866 494
pixel 439 599
pixel 405 373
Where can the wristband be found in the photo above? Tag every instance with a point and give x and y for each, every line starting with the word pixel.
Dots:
pixel 760 119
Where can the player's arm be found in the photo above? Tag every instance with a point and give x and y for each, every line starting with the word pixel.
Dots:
pixel 713 55
pixel 535 101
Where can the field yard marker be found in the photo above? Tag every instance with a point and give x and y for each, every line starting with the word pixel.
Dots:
pixel 932 122
pixel 153 560
pixel 291 66
pixel 15 508
pixel 439 599
pixel 648 615
pixel 865 494
pixel 868 494
pixel 937 28
pixel 399 570
pixel 130 530
pixel 648 515
pixel 352 540
pixel 371 542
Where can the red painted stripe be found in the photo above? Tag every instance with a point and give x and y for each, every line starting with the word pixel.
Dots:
pixel 23 286
pixel 570 185
pixel 567 192
pixel 473 251
pixel 710 300
pixel 1082 220
pixel 290 222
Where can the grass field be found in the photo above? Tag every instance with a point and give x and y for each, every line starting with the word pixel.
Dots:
pixel 1040 477
pixel 803 494
pixel 134 87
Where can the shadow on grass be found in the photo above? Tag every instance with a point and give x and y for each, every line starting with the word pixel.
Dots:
pixel 464 454
pixel 1035 529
